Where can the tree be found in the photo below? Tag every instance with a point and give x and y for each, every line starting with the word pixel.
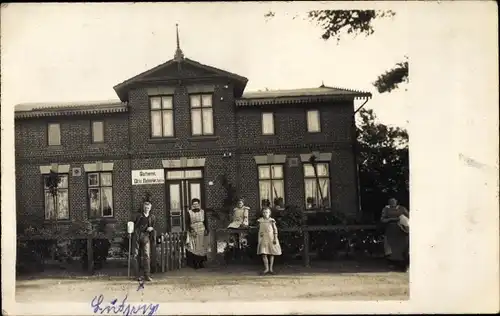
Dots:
pixel 382 154
pixel 52 182
pixel 336 23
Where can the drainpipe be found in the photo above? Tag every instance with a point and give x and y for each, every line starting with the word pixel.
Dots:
pixel 129 154
pixel 356 165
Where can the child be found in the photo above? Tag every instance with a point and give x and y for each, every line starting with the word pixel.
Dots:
pixel 268 245
pixel 240 215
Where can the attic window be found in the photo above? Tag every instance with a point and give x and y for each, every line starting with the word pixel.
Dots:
pixel 313 121
pixel 54 134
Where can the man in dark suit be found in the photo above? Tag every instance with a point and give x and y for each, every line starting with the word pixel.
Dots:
pixel 144 239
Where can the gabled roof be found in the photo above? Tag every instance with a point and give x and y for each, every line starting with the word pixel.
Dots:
pixel 307 95
pixel 123 88
pixel 31 110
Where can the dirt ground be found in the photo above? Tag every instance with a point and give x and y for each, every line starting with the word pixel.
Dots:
pixel 219 284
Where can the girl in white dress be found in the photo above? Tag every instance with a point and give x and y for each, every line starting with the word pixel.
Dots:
pixel 268 245
pixel 240 215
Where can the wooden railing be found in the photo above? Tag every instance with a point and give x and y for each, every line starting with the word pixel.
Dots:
pixel 90 238
pixel 172 254
pixel 304 230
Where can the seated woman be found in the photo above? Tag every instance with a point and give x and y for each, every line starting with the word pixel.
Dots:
pixel 240 216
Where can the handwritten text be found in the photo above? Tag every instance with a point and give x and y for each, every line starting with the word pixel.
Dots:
pixel 123 307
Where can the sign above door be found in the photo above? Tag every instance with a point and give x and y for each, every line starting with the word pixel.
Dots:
pixel 149 176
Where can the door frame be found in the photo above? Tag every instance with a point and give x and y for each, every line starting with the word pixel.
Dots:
pixel 183 193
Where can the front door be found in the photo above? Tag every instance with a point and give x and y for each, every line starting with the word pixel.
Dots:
pixel 182 186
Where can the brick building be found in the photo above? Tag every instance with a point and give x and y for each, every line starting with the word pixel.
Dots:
pixel 178 131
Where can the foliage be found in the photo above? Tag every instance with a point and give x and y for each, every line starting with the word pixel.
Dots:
pixel 52 182
pixel 383 164
pixel 327 245
pixel 353 22
pixel 39 239
pixel 391 79
pixel 230 199
pixel 336 23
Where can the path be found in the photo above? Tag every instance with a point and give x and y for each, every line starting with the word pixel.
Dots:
pixel 219 285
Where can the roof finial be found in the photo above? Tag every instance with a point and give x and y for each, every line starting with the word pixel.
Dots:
pixel 322 84
pixel 179 55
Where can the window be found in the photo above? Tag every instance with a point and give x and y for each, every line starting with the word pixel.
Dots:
pixel 202 121
pixel 317 188
pixel 54 134
pixel 97 132
pixel 271 185
pixel 56 201
pixel 162 116
pixel 100 194
pixel 313 121
pixel 267 123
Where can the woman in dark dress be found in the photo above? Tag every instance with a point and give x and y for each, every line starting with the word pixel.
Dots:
pixel 396 241
pixel 197 236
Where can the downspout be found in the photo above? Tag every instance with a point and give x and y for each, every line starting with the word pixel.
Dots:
pixel 356 165
pixel 129 154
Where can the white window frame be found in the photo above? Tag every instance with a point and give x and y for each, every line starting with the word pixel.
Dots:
pixel 313 126
pixel 165 108
pixel 202 107
pixel 50 140
pixel 99 187
pixel 46 192
pixel 271 180
pixel 267 119
pixel 310 178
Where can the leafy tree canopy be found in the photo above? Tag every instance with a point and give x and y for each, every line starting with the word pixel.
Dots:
pixel 383 163
pixel 335 23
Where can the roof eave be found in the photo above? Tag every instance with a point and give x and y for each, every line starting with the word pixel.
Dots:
pixel 300 99
pixel 68 112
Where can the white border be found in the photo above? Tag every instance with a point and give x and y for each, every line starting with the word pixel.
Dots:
pixel 454 171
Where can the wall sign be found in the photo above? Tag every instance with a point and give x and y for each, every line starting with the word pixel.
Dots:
pixel 150 176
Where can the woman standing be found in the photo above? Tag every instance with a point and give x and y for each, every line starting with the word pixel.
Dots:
pixel 268 245
pixel 396 241
pixel 196 241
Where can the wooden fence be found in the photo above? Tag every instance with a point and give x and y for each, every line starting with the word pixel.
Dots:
pixel 89 238
pixel 305 231
pixel 172 251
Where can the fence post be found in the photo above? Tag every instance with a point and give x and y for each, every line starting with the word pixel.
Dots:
pixel 305 234
pixel 213 243
pixel 162 254
pixel 306 248
pixel 90 253
pixel 168 251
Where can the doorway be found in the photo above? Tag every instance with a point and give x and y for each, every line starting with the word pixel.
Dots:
pixel 182 186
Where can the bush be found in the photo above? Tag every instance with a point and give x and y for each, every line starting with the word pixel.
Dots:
pixel 52 240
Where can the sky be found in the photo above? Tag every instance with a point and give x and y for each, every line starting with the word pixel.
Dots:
pixel 78 52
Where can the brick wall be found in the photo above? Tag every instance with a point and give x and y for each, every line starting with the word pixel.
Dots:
pixel 31 137
pixel 290 125
pixel 237 131
pixel 30 194
pixel 224 127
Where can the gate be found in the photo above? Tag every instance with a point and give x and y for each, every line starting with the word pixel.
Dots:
pixel 172 251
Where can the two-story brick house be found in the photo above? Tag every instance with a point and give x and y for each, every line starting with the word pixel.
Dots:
pixel 184 126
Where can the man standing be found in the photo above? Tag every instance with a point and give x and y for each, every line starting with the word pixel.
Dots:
pixel 144 224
